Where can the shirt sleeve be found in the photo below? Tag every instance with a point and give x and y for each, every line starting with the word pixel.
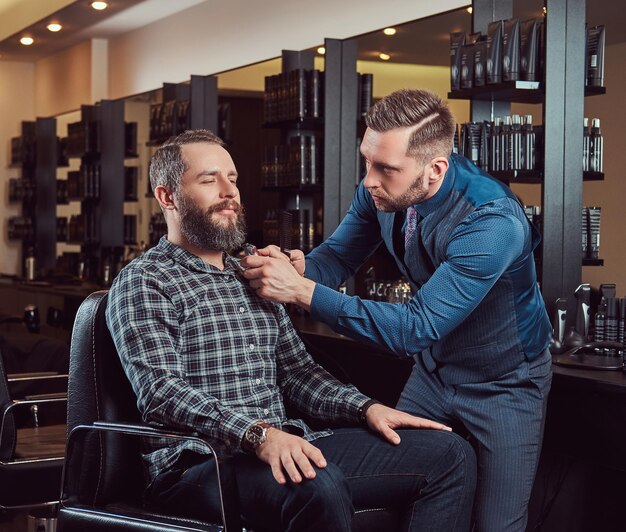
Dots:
pixel 308 386
pixel 479 251
pixel 354 240
pixel 144 325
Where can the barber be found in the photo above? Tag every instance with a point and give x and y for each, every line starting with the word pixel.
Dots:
pixel 476 326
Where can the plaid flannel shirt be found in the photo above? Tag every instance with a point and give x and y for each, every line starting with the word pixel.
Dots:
pixel 203 352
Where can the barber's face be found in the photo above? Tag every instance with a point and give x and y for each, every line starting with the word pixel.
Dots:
pixel 394 179
pixel 209 209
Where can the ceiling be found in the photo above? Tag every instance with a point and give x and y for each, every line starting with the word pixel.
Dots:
pixel 425 41
pixel 80 22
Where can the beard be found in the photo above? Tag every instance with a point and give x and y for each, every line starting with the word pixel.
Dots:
pixel 413 195
pixel 201 229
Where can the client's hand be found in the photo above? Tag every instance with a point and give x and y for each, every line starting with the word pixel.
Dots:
pixel 382 419
pixel 291 454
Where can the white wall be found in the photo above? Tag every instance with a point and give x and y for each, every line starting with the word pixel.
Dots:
pixel 17 103
pixel 216 36
pixel 63 81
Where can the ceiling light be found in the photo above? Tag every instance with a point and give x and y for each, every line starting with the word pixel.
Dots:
pixel 469 10
pixel 27 41
pixel 390 31
pixel 321 50
pixel 384 56
pixel 54 27
pixel 99 5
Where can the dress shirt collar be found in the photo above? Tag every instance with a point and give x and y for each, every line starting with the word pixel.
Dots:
pixel 432 204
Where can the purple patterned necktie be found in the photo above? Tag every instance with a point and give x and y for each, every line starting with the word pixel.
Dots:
pixel 411 225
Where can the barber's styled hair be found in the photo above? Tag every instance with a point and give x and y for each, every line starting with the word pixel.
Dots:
pixel 434 124
pixel 167 166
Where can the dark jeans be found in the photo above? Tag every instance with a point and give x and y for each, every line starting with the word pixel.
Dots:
pixel 430 477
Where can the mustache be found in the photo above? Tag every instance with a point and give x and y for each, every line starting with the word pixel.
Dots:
pixel 227 204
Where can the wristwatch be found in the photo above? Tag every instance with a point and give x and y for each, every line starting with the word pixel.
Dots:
pixel 255 436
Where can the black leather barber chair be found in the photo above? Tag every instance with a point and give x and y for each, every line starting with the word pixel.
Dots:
pixel 31 451
pixel 103 476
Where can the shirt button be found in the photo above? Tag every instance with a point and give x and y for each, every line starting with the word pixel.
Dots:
pixel 258 381
pixel 242 310
pixel 251 347
pixel 266 411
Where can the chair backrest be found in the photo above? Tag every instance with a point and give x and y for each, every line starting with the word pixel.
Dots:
pixel 7 437
pixel 98 390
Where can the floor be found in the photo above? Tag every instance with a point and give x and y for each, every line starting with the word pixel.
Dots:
pixel 15 523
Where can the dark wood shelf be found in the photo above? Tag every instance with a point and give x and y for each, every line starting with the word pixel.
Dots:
pixel 594 91
pixel 593 262
pixel 512 91
pixel 593 176
pixel 518 176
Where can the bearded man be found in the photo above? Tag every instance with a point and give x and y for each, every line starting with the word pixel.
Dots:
pixel 203 352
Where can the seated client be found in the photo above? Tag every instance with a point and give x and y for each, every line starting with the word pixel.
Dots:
pixel 203 352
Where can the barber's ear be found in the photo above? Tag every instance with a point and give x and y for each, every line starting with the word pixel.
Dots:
pixel 164 197
pixel 439 167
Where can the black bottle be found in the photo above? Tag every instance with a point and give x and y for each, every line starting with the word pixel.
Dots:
pixel 515 145
pixel 611 324
pixel 599 324
pixel 596 151
pixel 528 143
pixel 586 144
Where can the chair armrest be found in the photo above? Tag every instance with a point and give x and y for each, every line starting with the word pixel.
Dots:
pixel 228 496
pixel 36 376
pixel 42 397
pixel 6 409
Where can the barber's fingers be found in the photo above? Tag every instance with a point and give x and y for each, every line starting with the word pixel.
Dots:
pixel 297 260
pixel 271 251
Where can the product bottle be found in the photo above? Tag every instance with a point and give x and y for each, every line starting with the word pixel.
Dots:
pixel 599 324
pixel 516 143
pixel 611 324
pixel 505 144
pixel 621 325
pixel 586 144
pixel 29 264
pixel 596 146
pixel 528 143
pixel 494 148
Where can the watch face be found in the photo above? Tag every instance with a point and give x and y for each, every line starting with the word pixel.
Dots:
pixel 255 435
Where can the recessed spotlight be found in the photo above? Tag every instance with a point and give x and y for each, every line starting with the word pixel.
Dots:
pixel 384 56
pixel 390 31
pixel 54 27
pixel 99 5
pixel 27 41
pixel 469 10
pixel 321 50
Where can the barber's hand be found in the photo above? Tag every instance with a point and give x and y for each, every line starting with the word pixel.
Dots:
pixel 286 453
pixel 274 278
pixel 296 256
pixel 382 419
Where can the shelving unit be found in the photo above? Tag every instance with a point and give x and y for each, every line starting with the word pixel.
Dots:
pixel 99 140
pixel 35 153
pixel 561 93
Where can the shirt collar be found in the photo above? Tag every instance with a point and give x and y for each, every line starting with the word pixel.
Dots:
pixel 432 204
pixel 193 262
